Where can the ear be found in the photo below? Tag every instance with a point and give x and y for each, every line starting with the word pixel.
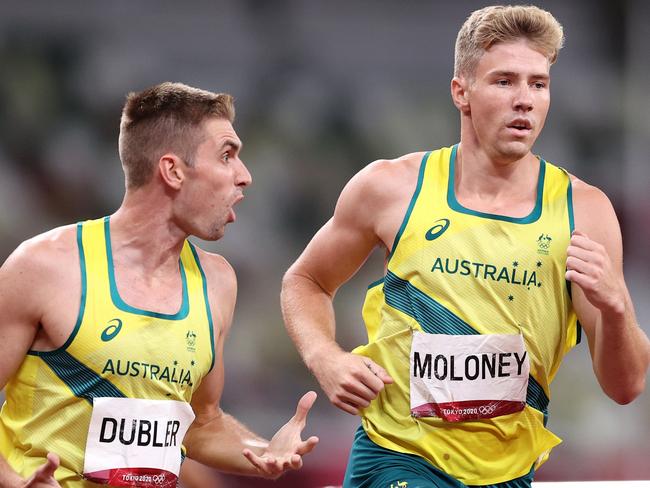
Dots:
pixel 459 93
pixel 172 170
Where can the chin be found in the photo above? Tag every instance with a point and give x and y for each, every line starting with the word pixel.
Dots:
pixel 514 151
pixel 213 234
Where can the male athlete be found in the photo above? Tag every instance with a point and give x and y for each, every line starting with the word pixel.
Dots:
pixel 492 257
pixel 113 329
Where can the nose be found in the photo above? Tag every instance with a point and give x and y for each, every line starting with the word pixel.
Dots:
pixel 244 177
pixel 523 100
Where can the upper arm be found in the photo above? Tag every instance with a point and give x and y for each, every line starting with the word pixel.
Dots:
pixel 28 281
pixel 222 293
pixel 595 217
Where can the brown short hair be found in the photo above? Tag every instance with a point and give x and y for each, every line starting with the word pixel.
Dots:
pixel 166 118
pixel 501 23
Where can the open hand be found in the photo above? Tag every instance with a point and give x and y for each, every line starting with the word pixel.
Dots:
pixel 286 448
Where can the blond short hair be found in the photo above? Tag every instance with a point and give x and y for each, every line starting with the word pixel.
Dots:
pixel 504 23
pixel 166 118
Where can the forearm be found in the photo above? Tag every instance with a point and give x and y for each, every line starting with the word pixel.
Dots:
pixel 8 477
pixel 309 318
pixel 621 354
pixel 219 443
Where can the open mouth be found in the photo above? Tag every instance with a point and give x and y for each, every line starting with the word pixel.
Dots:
pixel 520 125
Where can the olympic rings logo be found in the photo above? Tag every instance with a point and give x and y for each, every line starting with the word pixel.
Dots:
pixel 487 409
pixel 158 479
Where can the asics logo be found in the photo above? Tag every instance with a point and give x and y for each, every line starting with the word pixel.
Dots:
pixel 437 230
pixel 114 327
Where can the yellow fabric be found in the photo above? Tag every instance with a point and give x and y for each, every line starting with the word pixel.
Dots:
pixel 500 276
pixel 153 356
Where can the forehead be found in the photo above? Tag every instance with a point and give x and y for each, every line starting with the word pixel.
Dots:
pixel 219 132
pixel 515 57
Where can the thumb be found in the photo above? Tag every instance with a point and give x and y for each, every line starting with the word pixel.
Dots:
pixel 380 372
pixel 304 405
pixel 46 471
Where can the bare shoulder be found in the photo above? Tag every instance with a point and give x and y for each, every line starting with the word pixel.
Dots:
pixel 222 286
pixel 216 267
pixel 52 251
pixel 381 182
pixel 381 174
pixel 40 277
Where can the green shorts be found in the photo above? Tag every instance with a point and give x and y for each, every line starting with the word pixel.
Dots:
pixel 372 466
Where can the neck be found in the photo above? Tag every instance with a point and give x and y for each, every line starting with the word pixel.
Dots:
pixel 477 172
pixel 143 233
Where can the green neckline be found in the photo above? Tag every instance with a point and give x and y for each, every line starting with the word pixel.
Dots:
pixel 121 304
pixel 456 206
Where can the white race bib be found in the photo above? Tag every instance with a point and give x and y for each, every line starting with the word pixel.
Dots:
pixel 135 442
pixel 468 377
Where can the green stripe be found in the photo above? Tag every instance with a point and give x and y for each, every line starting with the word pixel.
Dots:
pixel 83 381
pixel 569 202
pixel 82 303
pixel 117 299
pixel 572 226
pixel 375 283
pixel 416 193
pixel 456 206
pixel 206 299
pixel 435 318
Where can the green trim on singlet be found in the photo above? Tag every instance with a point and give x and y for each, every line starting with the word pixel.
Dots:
pixel 375 283
pixel 117 299
pixel 435 318
pixel 370 465
pixel 572 227
pixel 207 301
pixel 456 206
pixel 82 303
pixel 414 198
pixel 83 381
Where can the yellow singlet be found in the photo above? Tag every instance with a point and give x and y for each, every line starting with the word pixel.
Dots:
pixel 456 271
pixel 115 350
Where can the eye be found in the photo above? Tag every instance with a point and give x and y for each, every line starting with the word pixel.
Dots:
pixel 503 82
pixel 226 157
pixel 540 85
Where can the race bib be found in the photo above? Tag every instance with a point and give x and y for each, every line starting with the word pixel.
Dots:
pixel 467 377
pixel 135 442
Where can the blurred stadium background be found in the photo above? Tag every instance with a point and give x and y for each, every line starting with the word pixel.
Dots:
pixel 322 88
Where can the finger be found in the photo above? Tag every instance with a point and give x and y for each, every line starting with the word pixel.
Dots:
pixel 46 471
pixel 583 241
pixel 254 459
pixel 355 400
pixel 583 267
pixel 295 462
pixel 584 281
pixel 580 253
pixel 359 387
pixel 369 384
pixel 380 373
pixel 307 446
pixel 346 407
pixel 304 405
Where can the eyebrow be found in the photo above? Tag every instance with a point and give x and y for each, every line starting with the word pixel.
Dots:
pixel 514 74
pixel 232 143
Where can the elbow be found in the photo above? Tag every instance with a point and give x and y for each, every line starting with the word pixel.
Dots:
pixel 625 395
